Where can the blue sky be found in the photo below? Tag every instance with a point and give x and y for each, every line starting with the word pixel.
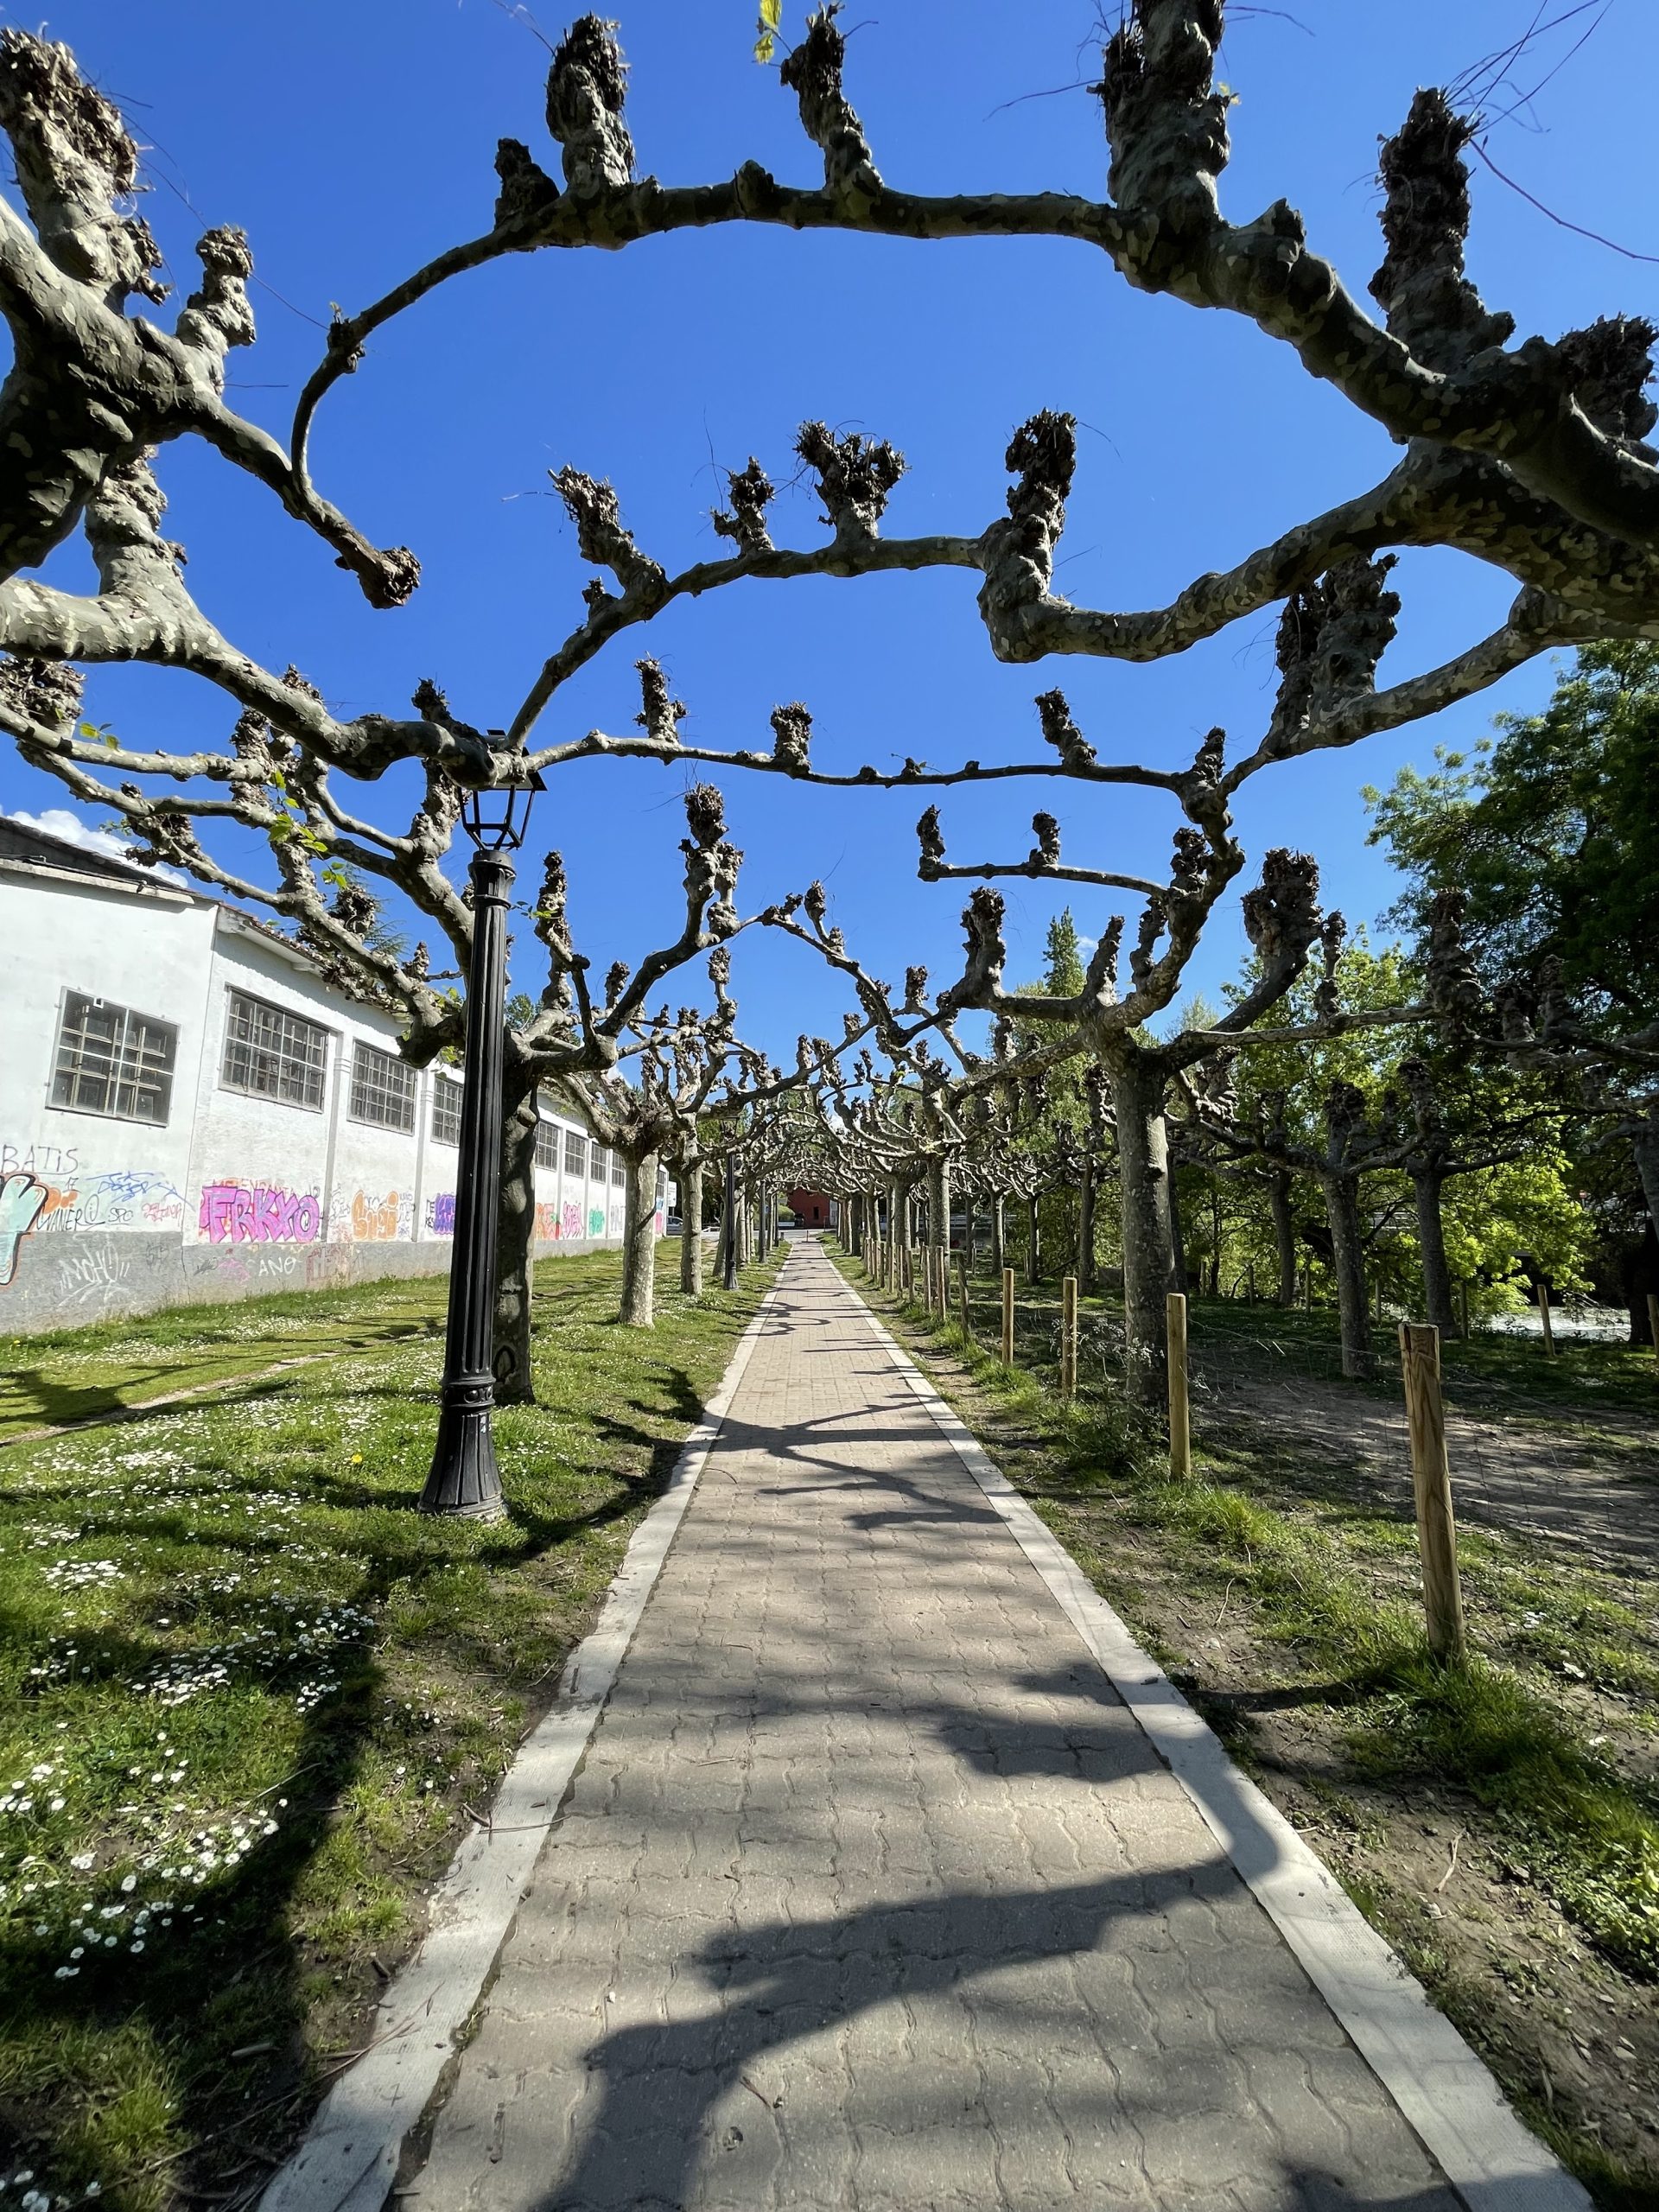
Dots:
pixel 354 139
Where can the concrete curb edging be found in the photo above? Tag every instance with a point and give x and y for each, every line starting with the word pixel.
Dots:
pixel 1444 2090
pixel 348 2159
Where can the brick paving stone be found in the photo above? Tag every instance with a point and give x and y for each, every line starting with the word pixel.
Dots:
pixel 869 1893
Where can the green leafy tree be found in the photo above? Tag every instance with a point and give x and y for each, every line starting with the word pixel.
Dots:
pixel 1551 831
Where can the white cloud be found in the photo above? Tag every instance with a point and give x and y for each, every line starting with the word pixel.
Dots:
pixel 58 822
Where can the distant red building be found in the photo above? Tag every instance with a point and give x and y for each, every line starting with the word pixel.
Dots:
pixel 811 1208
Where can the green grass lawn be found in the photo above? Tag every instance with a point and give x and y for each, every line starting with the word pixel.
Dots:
pixel 248 1696
pixel 1287 1603
pixel 77 1374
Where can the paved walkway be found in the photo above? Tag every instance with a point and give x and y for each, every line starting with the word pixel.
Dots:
pixel 870 1893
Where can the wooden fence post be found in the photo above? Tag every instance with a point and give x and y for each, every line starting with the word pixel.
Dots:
pixel 1653 1322
pixel 1431 1483
pixel 1180 1423
pixel 1068 1337
pixel 1008 1317
pixel 1550 1325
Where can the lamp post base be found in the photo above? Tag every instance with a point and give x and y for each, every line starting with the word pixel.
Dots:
pixel 465 1480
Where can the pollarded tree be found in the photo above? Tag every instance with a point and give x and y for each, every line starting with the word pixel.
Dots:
pixel 1531 459
pixel 1448 1131
pixel 1107 1022
pixel 1351 1146
pixel 1528 457
pixel 1380 1083
pixel 635 1074
pixel 653 1114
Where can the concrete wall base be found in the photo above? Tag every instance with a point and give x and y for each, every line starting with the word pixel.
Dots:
pixel 65 1282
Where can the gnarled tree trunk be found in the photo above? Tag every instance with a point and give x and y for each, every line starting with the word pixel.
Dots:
pixel 1178 1276
pixel 515 1238
pixel 999 1237
pixel 639 1242
pixel 1284 1235
pixel 938 1205
pixel 1086 1223
pixel 1347 1265
pixel 691 1224
pixel 1033 1241
pixel 1429 1184
pixel 1138 1086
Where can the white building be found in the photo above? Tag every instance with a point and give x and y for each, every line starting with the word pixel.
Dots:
pixel 189 1111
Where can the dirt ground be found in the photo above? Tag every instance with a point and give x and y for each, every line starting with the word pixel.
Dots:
pixel 1589 1484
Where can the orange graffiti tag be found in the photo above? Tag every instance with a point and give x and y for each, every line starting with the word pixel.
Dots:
pixel 374 1220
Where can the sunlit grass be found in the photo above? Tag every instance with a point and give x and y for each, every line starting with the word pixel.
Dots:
pixel 247 1694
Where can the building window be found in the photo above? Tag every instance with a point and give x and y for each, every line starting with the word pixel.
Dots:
pixel 575 1153
pixel 446 1110
pixel 547 1144
pixel 383 1088
pixel 271 1053
pixel 619 1173
pixel 112 1061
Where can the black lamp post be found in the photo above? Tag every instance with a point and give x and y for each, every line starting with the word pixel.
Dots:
pixel 464 1477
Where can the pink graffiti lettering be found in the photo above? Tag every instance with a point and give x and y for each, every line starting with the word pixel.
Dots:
pixel 570 1221
pixel 240 1213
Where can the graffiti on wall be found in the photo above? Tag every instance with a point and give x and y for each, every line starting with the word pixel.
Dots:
pixel 22 1198
pixel 570 1219
pixel 45 1192
pixel 441 1214
pixel 596 1221
pixel 259 1213
pixel 54 1162
pixel 95 1277
pixel 363 1218
pixel 547 1220
pixel 78 1199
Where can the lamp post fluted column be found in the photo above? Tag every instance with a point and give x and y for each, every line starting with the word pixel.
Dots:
pixel 464 1478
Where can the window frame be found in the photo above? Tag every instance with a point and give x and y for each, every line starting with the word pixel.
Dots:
pixel 575 1144
pixel 361 1047
pixel 440 1085
pixel 119 1063
pixel 278 1053
pixel 547 1144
